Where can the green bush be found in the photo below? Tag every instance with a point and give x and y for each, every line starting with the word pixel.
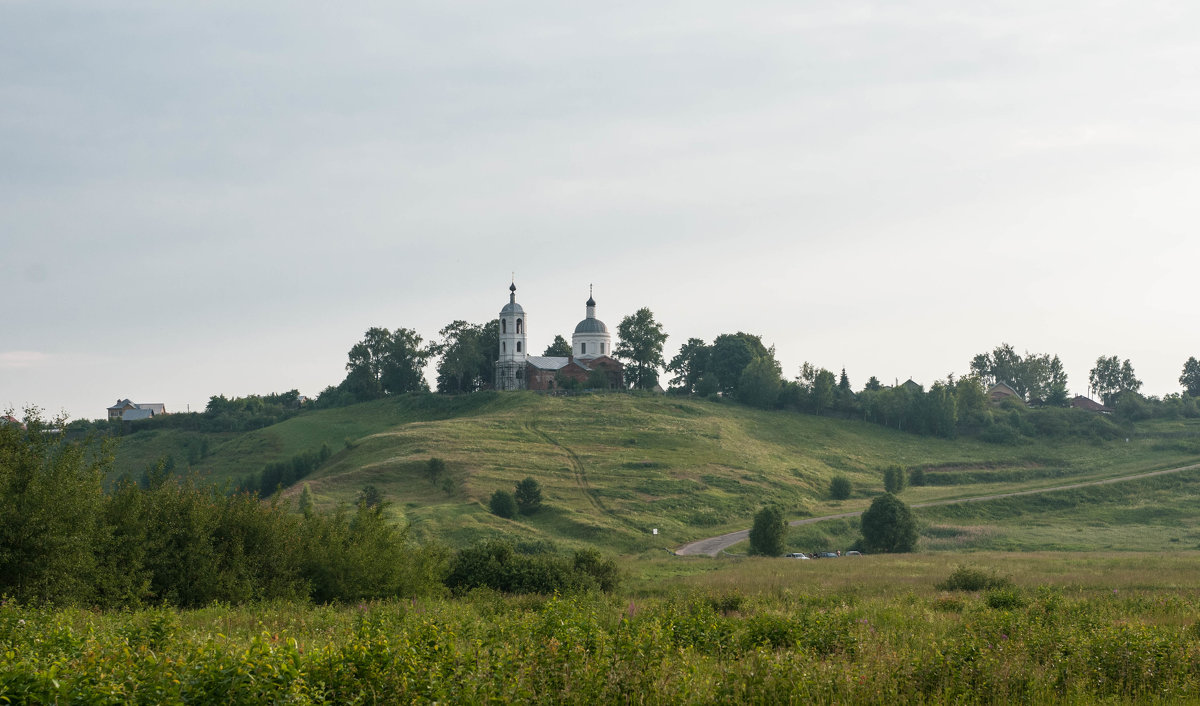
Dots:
pixel 528 495
pixel 840 488
pixel 503 504
pixel 1005 598
pixel 969 578
pixel 494 564
pixel 888 525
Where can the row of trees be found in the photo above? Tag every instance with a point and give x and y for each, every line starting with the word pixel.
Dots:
pixel 734 366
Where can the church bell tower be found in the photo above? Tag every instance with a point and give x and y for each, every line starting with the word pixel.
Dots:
pixel 510 366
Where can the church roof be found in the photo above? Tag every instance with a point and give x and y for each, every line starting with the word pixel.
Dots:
pixel 545 362
pixel 591 325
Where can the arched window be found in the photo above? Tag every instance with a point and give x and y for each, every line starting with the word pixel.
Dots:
pixel 503 325
pixel 601 349
pixel 518 326
pixel 503 348
pixel 582 348
pixel 518 346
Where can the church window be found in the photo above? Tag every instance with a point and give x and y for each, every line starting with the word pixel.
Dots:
pixel 601 349
pixel 503 325
pixel 582 348
pixel 518 346
pixel 503 348
pixel 518 326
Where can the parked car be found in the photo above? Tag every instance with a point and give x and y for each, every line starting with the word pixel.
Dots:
pixel 828 555
pixel 853 553
pixel 797 555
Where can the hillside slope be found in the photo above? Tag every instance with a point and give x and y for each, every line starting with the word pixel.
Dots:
pixel 615 467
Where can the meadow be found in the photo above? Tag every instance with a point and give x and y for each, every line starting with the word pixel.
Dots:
pixel 1055 628
pixel 1081 595
pixel 613 468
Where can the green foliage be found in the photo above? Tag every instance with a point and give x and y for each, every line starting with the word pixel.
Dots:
pixel 894 479
pixel 179 542
pixel 1033 377
pixel 369 496
pixel 1005 598
pixel 761 381
pixel 386 363
pixel 306 504
pixel 1008 646
pixel 690 365
pixel 767 534
pixel 970 578
pixel 50 511
pixel 1190 377
pixel 528 496
pixel 503 504
pixel 1111 378
pixel 467 355
pixel 362 556
pixel 916 477
pixel 495 565
pixel 558 348
pixel 728 357
pixel 888 526
pixel 640 343
pixel 283 474
pixel 840 488
pixel 435 469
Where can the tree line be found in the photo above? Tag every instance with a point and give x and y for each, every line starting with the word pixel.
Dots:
pixel 740 367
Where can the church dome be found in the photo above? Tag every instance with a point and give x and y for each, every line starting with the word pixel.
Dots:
pixel 512 307
pixel 591 325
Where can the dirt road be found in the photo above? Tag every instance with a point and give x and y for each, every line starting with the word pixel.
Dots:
pixel 715 545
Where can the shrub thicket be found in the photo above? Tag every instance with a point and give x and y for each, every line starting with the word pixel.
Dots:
pixel 969 578
pixel 839 488
pixel 63 540
pixel 496 565
pixel 503 504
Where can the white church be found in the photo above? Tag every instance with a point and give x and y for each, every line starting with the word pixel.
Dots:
pixel 589 364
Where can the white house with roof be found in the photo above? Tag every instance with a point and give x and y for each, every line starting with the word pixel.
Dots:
pixel 126 411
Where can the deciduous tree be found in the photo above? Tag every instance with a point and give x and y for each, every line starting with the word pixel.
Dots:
pixel 466 363
pixel 767 534
pixel 760 381
pixel 559 348
pixel 730 354
pixel 690 365
pixel 1110 378
pixel 386 363
pixel 528 495
pixel 640 343
pixel 889 526
pixel 1190 379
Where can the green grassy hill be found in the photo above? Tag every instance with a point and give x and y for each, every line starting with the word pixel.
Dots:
pixel 614 467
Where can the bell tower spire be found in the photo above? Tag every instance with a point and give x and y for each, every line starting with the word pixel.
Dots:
pixel 510 365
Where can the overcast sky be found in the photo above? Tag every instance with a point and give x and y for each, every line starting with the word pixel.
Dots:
pixel 221 197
